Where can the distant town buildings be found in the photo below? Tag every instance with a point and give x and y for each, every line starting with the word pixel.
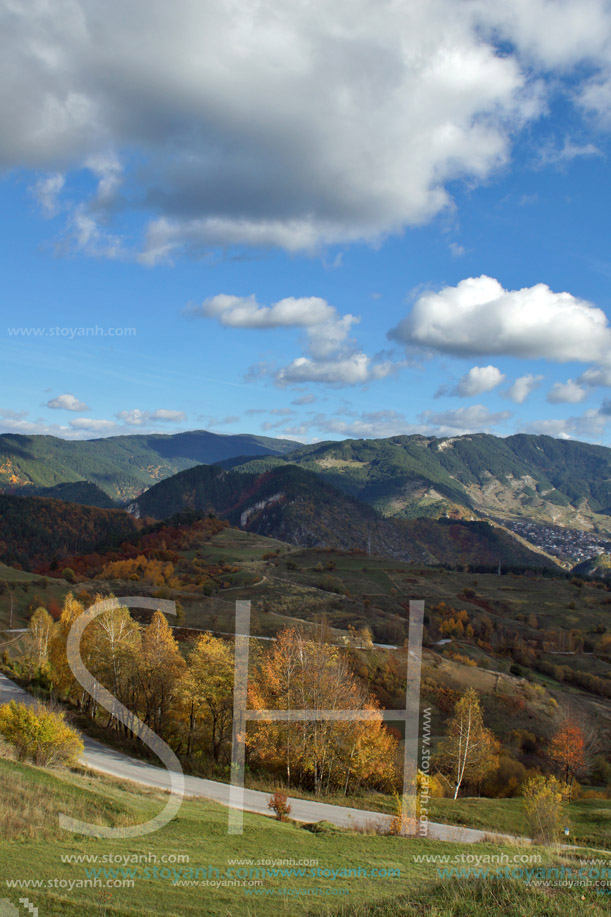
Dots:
pixel 571 545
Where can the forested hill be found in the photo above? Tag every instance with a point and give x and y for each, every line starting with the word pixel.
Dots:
pixel 35 530
pixel 539 478
pixel 297 506
pixel 521 476
pixel 121 466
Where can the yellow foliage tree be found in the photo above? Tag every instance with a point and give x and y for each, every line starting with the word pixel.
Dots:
pixel 469 751
pixel 206 693
pixel 40 735
pixel 299 673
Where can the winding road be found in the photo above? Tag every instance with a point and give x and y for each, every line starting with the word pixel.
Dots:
pixel 115 763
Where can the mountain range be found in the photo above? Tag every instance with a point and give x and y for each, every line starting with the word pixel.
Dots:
pixel 295 505
pixel 474 476
pixel 381 495
pixel 523 476
pixel 121 466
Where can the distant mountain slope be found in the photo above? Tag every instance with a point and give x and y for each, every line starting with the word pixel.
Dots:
pixel 597 567
pixel 83 492
pixel 538 477
pixel 296 506
pixel 35 530
pixel 122 466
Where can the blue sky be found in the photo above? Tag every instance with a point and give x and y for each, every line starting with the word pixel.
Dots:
pixel 312 223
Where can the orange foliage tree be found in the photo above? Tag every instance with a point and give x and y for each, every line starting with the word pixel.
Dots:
pixel 567 750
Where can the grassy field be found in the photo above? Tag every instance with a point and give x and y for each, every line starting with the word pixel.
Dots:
pixel 33 847
pixel 589 820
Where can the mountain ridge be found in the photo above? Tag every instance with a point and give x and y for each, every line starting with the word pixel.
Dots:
pixel 296 506
pixel 121 466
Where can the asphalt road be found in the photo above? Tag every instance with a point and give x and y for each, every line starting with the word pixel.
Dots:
pixel 108 760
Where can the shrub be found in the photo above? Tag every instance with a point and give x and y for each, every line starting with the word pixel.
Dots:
pixel 39 735
pixel 280 804
pixel 545 804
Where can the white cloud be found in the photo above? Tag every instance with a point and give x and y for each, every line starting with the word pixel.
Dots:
pixel 478 380
pixel 522 387
pixel 222 421
pixel 596 375
pixel 354 369
pixel 245 311
pixel 90 425
pixel 369 424
pixel 109 172
pixel 473 419
pixel 589 426
pixel 327 331
pixel 552 33
pixel 333 358
pixel 386 423
pixel 46 190
pixel 305 399
pixel 85 233
pixel 568 392
pixel 78 428
pixel 286 124
pixel 137 418
pixel 67 402
pixel 551 155
pixel 479 317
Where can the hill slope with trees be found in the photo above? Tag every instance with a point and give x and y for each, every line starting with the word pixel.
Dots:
pixel 298 507
pixel 121 466
pixel 521 476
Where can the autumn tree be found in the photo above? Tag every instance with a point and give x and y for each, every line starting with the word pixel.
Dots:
pixel 544 799
pixel 40 735
pixel 567 750
pixel 301 673
pixel 160 671
pixel 61 673
pixel 38 639
pixel 469 751
pixel 116 652
pixel 206 693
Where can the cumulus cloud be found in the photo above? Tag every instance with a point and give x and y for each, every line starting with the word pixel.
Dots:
pixel 479 317
pixel 354 369
pixel 290 125
pixel 589 426
pixel 568 392
pixel 519 390
pixel 138 418
pixel 327 331
pixel 67 402
pixel 245 311
pixel 596 375
pixel 478 380
pixel 332 356
pixel 473 419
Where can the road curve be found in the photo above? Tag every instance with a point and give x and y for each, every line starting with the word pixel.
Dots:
pixel 115 763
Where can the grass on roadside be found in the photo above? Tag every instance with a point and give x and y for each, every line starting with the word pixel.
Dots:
pixel 200 837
